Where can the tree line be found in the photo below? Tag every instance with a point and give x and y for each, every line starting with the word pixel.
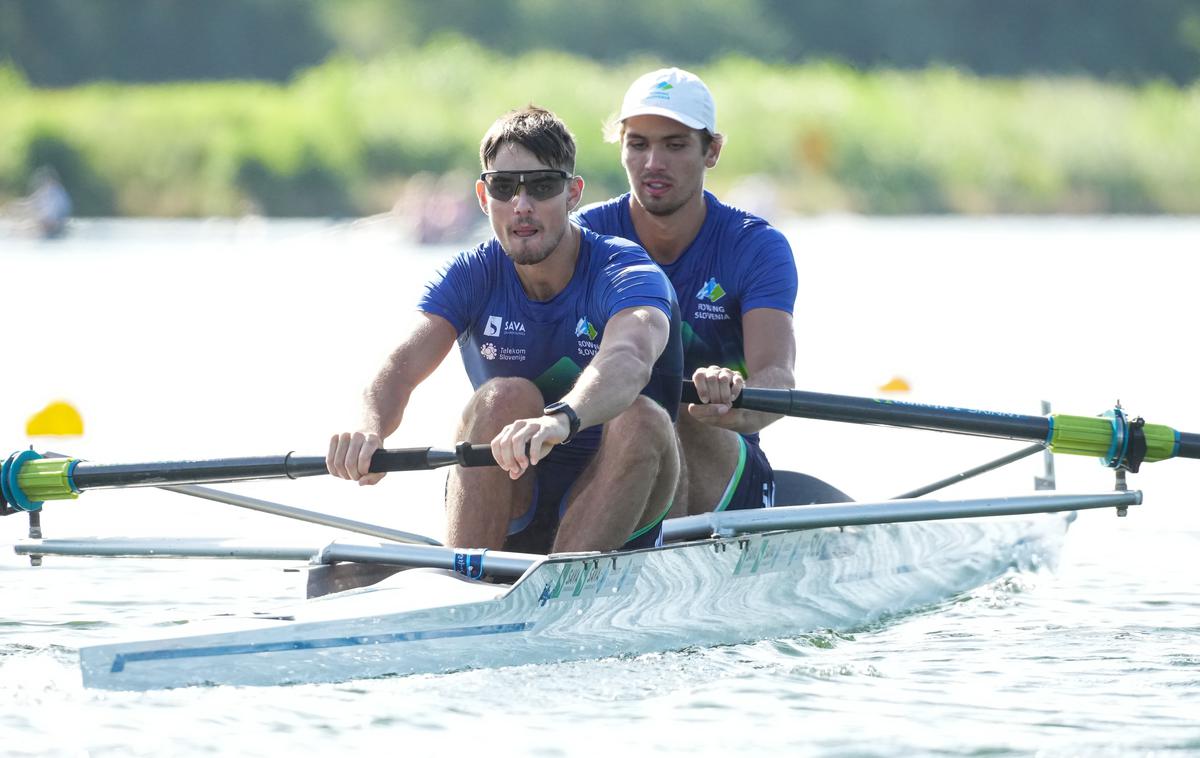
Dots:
pixel 346 137
pixel 55 43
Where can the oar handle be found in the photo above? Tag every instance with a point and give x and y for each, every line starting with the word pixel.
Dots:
pixel 421 458
pixel 691 396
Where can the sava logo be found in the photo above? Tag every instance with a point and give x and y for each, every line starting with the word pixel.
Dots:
pixel 496 326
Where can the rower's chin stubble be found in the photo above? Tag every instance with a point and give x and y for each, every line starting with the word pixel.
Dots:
pixel 524 253
pixel 662 206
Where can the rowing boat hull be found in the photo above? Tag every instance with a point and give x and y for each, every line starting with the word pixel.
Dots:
pixel 711 592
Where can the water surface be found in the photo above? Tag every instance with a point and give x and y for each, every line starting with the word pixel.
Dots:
pixel 215 339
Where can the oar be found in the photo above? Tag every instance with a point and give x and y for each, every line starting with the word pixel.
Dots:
pixel 27 479
pixel 1119 441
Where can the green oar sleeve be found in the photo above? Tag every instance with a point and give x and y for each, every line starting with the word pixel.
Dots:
pixel 1093 435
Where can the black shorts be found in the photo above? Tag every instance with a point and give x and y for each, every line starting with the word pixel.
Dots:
pixel 752 484
pixel 534 531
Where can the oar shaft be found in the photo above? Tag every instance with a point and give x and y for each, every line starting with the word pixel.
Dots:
pixel 816 405
pixel 859 410
pixel 91 476
pixel 30 479
pixel 97 476
pixel 1189 445
pixel 1120 441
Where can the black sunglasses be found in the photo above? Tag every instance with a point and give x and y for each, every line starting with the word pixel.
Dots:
pixel 541 184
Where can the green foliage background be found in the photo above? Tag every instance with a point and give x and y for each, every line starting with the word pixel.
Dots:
pixel 339 137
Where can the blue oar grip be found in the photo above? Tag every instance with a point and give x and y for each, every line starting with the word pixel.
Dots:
pixel 9 489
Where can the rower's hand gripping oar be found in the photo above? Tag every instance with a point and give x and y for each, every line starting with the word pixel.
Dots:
pixel 1119 441
pixel 28 479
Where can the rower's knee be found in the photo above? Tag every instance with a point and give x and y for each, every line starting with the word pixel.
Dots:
pixel 499 402
pixel 645 422
pixel 646 445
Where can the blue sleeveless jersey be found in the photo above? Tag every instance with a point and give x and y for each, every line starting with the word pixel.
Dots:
pixel 738 262
pixel 502 332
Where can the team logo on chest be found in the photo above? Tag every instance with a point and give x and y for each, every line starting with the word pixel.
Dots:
pixel 712 291
pixel 707 308
pixel 587 334
pixel 585 329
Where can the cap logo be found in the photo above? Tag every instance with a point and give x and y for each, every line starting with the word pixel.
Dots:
pixel 660 91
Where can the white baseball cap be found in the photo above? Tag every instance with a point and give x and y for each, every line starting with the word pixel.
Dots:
pixel 674 93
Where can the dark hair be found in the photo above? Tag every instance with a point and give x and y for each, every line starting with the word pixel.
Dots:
pixel 537 130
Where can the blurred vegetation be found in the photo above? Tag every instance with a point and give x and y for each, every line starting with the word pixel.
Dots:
pixel 58 43
pixel 326 107
pixel 66 42
pixel 340 137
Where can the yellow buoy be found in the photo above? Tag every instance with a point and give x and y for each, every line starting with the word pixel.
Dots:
pixel 58 419
pixel 897 384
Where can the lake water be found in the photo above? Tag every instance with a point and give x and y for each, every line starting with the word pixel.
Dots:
pixel 214 339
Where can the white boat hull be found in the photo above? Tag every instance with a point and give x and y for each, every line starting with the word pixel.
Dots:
pixel 713 592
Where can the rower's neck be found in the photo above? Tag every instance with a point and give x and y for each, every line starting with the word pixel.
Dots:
pixel 666 237
pixel 542 281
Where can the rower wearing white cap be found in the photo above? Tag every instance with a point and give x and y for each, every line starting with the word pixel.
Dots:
pixel 733 273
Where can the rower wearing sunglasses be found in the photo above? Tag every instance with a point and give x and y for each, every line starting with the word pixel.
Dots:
pixel 736 281
pixel 571 340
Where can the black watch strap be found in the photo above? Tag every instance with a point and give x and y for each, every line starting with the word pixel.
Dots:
pixel 569 412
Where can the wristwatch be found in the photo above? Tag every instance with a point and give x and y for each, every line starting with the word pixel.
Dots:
pixel 569 412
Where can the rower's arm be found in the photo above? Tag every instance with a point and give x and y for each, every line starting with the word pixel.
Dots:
pixel 770 350
pixel 633 340
pixel 411 363
pixel 385 399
